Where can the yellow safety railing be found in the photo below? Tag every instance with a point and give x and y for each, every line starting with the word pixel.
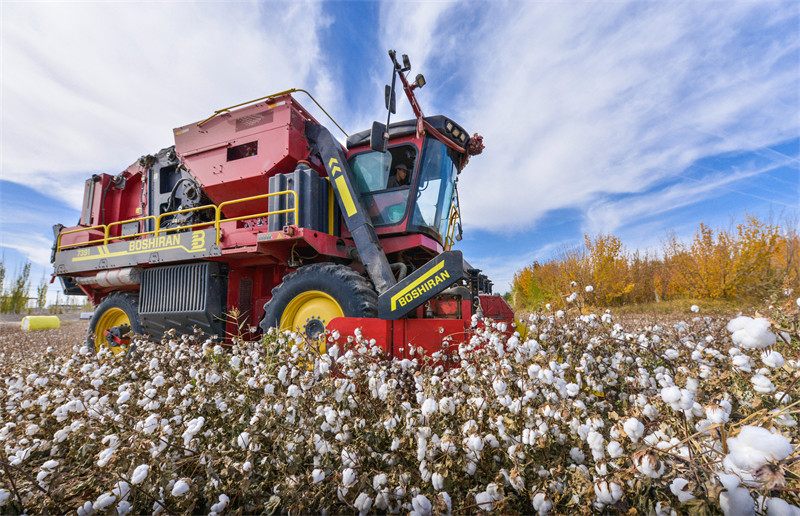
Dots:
pixel 255 198
pixel 451 228
pixel 218 220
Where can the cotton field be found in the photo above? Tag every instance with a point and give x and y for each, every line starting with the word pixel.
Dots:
pixel 585 415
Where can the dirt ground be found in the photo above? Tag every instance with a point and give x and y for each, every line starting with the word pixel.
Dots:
pixel 30 345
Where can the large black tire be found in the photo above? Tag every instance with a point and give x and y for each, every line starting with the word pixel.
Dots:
pixel 115 312
pixel 318 284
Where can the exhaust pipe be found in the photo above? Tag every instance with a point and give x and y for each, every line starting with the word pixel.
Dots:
pixel 113 278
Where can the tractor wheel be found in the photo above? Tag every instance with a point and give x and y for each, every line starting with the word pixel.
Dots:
pixel 314 294
pixel 114 321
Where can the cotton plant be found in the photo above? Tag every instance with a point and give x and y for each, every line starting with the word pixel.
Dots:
pixel 589 413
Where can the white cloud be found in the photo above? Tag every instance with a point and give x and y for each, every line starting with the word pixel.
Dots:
pixel 90 87
pixel 580 100
pixel 607 216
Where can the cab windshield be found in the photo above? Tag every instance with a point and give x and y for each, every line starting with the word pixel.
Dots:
pixel 385 191
pixel 436 181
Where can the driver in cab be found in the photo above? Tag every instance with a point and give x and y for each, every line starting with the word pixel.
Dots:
pixel 400 176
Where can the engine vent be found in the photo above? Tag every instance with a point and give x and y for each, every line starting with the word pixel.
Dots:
pixel 183 296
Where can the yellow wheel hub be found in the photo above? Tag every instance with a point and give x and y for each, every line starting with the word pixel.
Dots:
pixel 111 318
pixel 309 313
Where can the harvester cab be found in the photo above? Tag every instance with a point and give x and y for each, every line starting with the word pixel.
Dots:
pixel 259 211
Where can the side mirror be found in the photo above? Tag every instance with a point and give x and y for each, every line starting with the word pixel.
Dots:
pixel 378 137
pixel 389 99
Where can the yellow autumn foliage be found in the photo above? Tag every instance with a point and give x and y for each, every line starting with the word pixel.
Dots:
pixel 752 260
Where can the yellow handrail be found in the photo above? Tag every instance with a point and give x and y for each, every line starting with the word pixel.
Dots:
pixel 451 228
pixel 178 212
pixel 59 247
pixel 107 231
pixel 255 198
pixel 218 219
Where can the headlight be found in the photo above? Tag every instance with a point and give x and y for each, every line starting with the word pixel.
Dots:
pixel 456 132
pixel 448 126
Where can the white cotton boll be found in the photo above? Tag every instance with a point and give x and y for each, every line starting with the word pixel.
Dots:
pixel 572 297
pixel 104 501
pixel 5 495
pixel 247 466
pixel 649 465
pixel 695 308
pixel 348 477
pixel 221 504
pixel 716 414
pixel 243 440
pixel 317 476
pixel 762 384
pixel 671 394
pixel 540 503
pixel 422 505
pixel 379 480
pixel 447 406
pixel 573 390
pixel 363 503
pixel 595 441
pixel 438 481
pixel 104 457
pixel 180 488
pixel 742 363
pixel 772 359
pixel 139 474
pixel 589 288
pixel 123 508
pixel 499 387
pixel 634 428
pixel 755 446
pixel 559 314
pixel 150 424
pixel 735 501
pixel 614 449
pixel 50 465
pixel 484 501
pixel 751 333
pixel 429 407
pixel 677 487
pixel 577 455
pixel 608 493
pixel 235 362
pixel 778 507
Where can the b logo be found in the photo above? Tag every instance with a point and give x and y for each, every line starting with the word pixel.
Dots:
pixel 198 241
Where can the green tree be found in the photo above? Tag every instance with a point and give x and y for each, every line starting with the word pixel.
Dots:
pixel 41 293
pixel 17 297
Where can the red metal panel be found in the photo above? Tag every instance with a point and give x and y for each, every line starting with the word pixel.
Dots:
pixel 278 130
pixel 398 337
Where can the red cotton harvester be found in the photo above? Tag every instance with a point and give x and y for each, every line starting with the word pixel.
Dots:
pixel 258 210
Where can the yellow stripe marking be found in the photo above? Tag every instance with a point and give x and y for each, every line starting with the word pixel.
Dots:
pixel 414 285
pixel 347 199
pixel 123 253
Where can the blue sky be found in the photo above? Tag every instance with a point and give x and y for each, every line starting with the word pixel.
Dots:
pixel 631 118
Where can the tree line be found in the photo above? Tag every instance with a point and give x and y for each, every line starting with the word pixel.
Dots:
pixel 14 298
pixel 753 260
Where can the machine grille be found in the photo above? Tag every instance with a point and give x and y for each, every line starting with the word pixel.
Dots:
pixel 179 288
pixel 184 297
